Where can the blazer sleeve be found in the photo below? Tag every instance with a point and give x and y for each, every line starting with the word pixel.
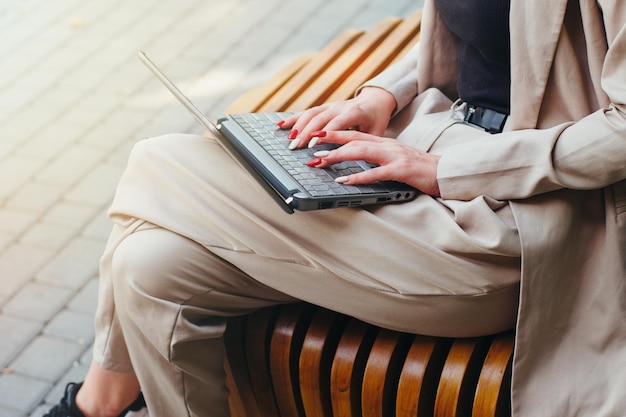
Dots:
pixel 587 154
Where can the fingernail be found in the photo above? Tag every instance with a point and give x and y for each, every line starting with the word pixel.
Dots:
pixel 294 144
pixel 319 134
pixel 321 154
pixel 293 134
pixel 313 142
pixel 314 162
pixel 341 180
pixel 280 123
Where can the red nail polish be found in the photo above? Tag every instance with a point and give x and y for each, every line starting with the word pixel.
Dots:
pixel 314 162
pixel 293 134
pixel 280 123
pixel 319 134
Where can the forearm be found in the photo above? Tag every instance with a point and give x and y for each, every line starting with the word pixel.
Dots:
pixel 589 154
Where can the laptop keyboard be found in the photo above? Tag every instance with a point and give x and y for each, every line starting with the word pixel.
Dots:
pixel 317 182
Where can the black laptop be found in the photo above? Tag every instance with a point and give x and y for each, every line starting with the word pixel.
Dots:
pixel 254 140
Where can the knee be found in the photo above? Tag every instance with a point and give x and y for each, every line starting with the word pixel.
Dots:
pixel 144 267
pixel 149 149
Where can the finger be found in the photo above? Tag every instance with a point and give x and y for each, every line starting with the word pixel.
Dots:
pixel 304 123
pixel 346 121
pixel 334 116
pixel 344 137
pixel 288 121
pixel 369 176
pixel 352 151
pixel 316 124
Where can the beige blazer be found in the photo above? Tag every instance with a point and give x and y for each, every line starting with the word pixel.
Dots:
pixel 562 164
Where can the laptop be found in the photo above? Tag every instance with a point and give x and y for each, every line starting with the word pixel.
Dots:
pixel 262 148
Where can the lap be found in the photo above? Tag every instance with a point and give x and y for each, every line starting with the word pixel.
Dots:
pixel 428 258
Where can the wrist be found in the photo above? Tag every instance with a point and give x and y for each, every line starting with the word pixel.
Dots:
pixel 383 98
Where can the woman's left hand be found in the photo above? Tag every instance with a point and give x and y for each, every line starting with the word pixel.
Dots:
pixel 396 161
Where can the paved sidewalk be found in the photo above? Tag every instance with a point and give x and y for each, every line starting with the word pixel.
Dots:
pixel 73 101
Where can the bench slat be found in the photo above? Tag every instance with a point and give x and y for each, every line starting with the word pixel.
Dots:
pixel 494 384
pixel 253 99
pixel 394 46
pixel 420 375
pixel 318 91
pixel 242 401
pixel 346 377
pixel 291 326
pixel 459 377
pixel 316 356
pixel 258 328
pixel 381 373
pixel 311 71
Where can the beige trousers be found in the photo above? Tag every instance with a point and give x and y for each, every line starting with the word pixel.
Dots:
pixel 196 240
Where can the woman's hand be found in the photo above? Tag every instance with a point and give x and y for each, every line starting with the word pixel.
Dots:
pixel 396 161
pixel 369 112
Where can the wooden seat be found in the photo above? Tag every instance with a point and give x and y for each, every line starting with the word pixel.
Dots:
pixel 301 360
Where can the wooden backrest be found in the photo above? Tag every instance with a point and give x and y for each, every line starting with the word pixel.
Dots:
pixel 335 72
pixel 300 360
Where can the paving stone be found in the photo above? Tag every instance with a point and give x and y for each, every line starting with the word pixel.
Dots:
pixel 15 221
pixel 19 263
pixel 49 236
pixel 91 110
pixel 71 165
pixel 47 358
pixel 36 196
pixel 117 128
pixel 38 302
pixel 16 332
pixel 19 169
pixel 76 373
pixel 6 412
pixel 55 139
pixel 71 325
pixel 123 82
pixel 11 139
pixel 97 187
pixel 119 157
pixel 43 408
pixel 74 265
pixel 54 103
pixel 117 20
pixel 21 393
pixel 70 215
pixel 85 301
pixel 99 227
pixel 16 96
pixel 86 359
pixel 20 126
pixel 6 239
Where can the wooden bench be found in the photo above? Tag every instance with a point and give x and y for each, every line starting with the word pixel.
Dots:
pixel 301 360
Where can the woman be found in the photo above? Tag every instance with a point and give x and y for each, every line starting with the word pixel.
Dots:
pixel 541 203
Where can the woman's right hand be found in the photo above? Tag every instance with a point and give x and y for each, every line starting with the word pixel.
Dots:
pixel 370 112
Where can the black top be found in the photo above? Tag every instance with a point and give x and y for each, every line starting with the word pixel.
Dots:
pixel 482 27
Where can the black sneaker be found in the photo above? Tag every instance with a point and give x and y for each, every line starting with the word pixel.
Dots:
pixel 67 406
